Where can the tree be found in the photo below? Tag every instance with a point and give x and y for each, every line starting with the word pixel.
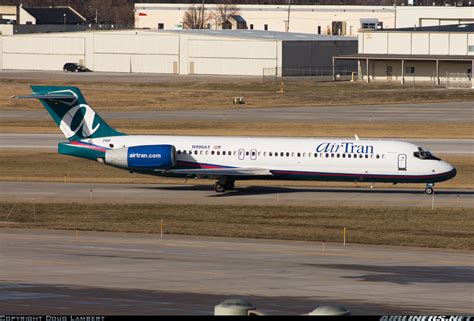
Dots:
pixel 195 18
pixel 224 10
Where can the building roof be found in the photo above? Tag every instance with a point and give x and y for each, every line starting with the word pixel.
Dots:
pixel 259 34
pixel 55 15
pixel 465 27
pixel 404 57
pixel 238 18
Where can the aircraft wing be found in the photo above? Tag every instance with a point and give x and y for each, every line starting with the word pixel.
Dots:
pixel 222 172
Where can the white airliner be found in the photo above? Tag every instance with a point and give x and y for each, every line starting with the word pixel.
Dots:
pixel 227 159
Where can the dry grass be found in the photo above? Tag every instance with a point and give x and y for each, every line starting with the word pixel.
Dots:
pixel 35 165
pixel 219 94
pixel 226 128
pixel 441 228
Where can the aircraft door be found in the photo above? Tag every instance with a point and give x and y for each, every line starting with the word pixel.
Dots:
pixel 241 154
pixel 402 162
pixel 253 154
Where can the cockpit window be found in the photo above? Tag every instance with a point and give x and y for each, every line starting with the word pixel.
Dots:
pixel 424 154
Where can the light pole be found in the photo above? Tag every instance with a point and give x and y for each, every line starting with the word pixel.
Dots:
pixel 288 20
pixel 64 17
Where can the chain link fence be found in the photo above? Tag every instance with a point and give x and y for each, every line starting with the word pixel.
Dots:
pixel 322 73
pixel 458 80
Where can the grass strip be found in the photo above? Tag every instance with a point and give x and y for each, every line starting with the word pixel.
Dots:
pixel 275 129
pixel 214 94
pixel 410 226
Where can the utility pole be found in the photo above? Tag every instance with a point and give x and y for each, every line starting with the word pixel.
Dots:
pixel 288 20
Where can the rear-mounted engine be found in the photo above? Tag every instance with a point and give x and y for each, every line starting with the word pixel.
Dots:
pixel 144 157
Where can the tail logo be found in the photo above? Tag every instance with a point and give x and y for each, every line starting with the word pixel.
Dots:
pixel 86 123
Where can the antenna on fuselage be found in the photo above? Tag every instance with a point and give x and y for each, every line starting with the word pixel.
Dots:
pixel 356 137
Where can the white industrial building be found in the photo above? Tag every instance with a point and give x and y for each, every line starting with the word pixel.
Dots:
pixel 315 19
pixel 409 54
pixel 205 52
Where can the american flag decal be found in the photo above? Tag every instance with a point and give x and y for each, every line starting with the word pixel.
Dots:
pixel 217 146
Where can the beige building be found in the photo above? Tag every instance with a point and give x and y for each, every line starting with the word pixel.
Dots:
pixel 411 54
pixel 315 19
pixel 185 52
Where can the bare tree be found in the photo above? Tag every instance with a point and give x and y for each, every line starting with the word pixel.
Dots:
pixel 224 10
pixel 195 18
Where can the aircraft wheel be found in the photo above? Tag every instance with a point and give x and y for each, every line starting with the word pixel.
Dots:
pixel 219 188
pixel 429 190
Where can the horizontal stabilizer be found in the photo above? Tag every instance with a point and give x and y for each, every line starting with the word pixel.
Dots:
pixel 46 96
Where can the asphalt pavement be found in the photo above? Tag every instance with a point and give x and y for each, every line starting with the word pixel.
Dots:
pixel 64 272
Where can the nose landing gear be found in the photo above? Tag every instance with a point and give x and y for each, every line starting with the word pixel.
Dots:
pixel 429 189
pixel 223 185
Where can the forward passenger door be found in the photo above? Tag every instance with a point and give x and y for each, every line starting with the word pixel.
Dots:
pixel 402 162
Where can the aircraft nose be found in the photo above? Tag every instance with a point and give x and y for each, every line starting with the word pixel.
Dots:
pixel 449 170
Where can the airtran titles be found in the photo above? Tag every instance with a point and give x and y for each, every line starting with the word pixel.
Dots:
pixel 344 147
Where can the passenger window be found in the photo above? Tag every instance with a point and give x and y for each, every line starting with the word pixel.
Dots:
pixel 212 152
pixel 190 152
pixel 253 153
pixel 179 152
pixel 327 155
pixel 276 154
pixel 378 156
pixel 299 154
pixel 207 152
pixel 360 156
pixel 343 155
pixel 287 154
pixel 366 156
pixel 200 152
pixel 229 153
pixel 349 155
pixel 304 154
pixel 315 154
pixel 195 152
pixel 338 155
pixel 247 153
pixel 270 154
pixel 282 154
pixel 332 155
pixel 292 154
pixel 218 152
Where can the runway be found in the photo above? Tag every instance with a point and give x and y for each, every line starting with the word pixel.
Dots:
pixel 46 272
pixel 415 113
pixel 50 141
pixel 248 195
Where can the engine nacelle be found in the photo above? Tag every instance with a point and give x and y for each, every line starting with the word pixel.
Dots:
pixel 144 157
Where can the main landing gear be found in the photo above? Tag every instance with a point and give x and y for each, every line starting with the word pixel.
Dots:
pixel 429 189
pixel 222 186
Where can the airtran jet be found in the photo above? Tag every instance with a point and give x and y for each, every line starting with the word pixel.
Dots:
pixel 228 159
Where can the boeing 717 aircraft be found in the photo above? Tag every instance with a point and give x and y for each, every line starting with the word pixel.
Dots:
pixel 228 159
